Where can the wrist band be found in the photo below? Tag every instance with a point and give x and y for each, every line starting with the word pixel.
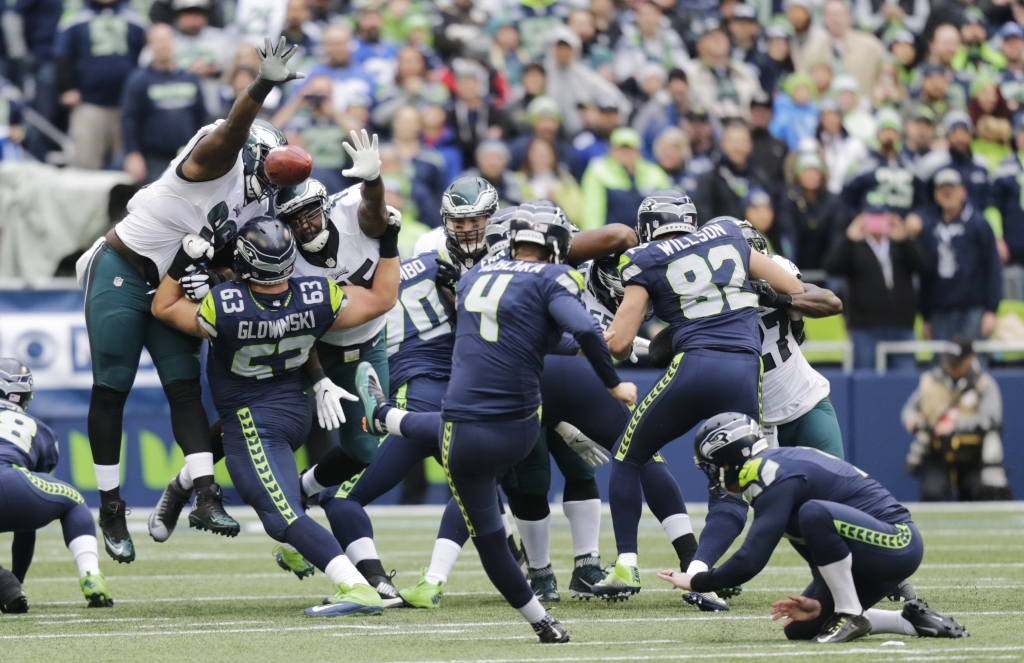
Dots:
pixel 259 89
pixel 784 301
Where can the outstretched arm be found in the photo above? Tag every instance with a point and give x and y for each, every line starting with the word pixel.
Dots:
pixel 600 242
pixel 171 307
pixel 817 302
pixel 627 321
pixel 216 153
pixel 365 304
pixel 764 268
pixel 372 214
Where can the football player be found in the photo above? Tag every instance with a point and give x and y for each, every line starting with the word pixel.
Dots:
pixel 507 312
pixel 858 540
pixel 262 328
pixel 214 186
pixel 697 281
pixel 30 498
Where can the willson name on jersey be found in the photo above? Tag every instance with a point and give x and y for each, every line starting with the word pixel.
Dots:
pixel 277 328
pixel 705 234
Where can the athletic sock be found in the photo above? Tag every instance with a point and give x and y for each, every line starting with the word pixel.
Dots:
pixel 585 525
pixel 506 524
pixel 628 559
pixel 536 535
pixel 361 549
pixel 185 478
pixel 108 480
pixel 889 621
pixel 340 570
pixel 696 567
pixel 685 547
pixel 679 531
pixel 200 468
pixel 533 611
pixel 392 417
pixel 371 567
pixel 839 578
pixel 310 486
pixel 446 553
pixel 84 551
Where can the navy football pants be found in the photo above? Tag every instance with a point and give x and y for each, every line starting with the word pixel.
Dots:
pixel 32 500
pixel 884 555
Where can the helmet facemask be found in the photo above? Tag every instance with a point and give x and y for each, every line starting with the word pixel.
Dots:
pixel 303 226
pixel 468 246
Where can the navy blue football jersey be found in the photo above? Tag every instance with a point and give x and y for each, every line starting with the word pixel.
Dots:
pixel 891 183
pixel 420 331
pixel 509 313
pixel 26 441
pixel 698 284
pixel 259 341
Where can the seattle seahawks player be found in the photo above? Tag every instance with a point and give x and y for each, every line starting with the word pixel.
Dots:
pixel 508 311
pixel 207 192
pixel 30 498
pixel 262 329
pixel 858 540
pixel 697 282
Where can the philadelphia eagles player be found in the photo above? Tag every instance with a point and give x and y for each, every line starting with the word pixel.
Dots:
pixel 196 206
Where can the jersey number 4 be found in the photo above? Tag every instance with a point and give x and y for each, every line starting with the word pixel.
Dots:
pixel 487 305
pixel 700 295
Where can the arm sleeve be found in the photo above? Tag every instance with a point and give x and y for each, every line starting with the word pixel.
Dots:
pixel 207 315
pixel 571 316
pixel 773 509
pixel 565 345
pixel 131 113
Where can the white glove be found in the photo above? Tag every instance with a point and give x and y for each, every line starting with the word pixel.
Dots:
pixel 196 247
pixel 394 216
pixel 588 450
pixel 274 61
pixel 641 348
pixel 365 156
pixel 196 284
pixel 328 403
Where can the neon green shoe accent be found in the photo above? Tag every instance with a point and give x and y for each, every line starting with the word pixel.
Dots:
pixel 619 584
pixel 94 588
pixel 423 594
pixel 293 561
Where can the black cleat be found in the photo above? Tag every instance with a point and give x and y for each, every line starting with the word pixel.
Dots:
pixel 841 627
pixel 706 602
pixel 12 595
pixel 586 573
pixel 303 497
pixel 372 397
pixel 903 592
pixel 208 513
pixel 389 595
pixel 164 518
pixel 116 538
pixel 544 585
pixel 929 623
pixel 550 631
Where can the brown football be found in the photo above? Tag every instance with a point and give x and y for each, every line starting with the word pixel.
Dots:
pixel 288 165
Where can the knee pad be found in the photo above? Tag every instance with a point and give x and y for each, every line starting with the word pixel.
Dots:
pixel 531 507
pixel 183 391
pixel 107 400
pixel 579 491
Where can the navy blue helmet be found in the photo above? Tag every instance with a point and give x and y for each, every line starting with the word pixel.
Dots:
pixel 496 232
pixel 264 251
pixel 665 211
pixel 543 228
pixel 16 385
pixel 730 438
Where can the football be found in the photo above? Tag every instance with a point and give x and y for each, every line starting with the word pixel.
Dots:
pixel 288 165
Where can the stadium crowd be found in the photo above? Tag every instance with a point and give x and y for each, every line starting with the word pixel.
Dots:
pixel 874 141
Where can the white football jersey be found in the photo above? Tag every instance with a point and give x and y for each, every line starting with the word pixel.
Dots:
pixel 790 387
pixel 593 305
pixel 161 214
pixel 355 263
pixel 432 240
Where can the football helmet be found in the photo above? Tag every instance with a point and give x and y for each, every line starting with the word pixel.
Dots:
pixel 496 232
pixel 605 282
pixel 263 137
pixel 264 251
pixel 467 198
pixel 665 211
pixel 297 206
pixel 730 438
pixel 16 384
pixel 754 238
pixel 542 228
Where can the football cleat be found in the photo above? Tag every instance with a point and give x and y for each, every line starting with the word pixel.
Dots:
pixel 929 623
pixel 349 600
pixel 292 560
pixel 12 594
pixel 586 573
pixel 389 595
pixel 94 588
pixel 729 592
pixel 620 584
pixel 372 397
pixel 208 513
pixel 550 631
pixel 303 497
pixel 903 592
pixel 423 594
pixel 116 538
pixel 706 602
pixel 164 518
pixel 544 584
pixel 841 627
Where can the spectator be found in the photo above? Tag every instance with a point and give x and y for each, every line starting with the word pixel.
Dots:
pixel 428 166
pixel 769 153
pixel 606 23
pixel 1011 77
pixel 492 164
pixel 459 23
pixel 993 142
pixel 975 56
pixel 879 259
pixel 857 117
pixel 666 108
pixel 986 99
pixel 200 48
pixel 721 190
pixel 571 83
pixel 811 212
pixel 534 83
pixel 615 185
pixel 300 30
pixel 593 143
pixel 804 30
pixel 412 86
pixel 414 196
pixel 955 416
pixel 545 124
pixel 703 148
pixel 542 176
pixel 758 209
pixel 239 75
pixel 779 53
pixel 878 16
pixel 401 18
pixel 507 55
pixel 161 109
pixel 595 52
pixel 91 74
pixel 672 152
pixel 716 80
pixel 744 31
pixel 11 133
pixel 161 11
pixel 920 128
pixel 796 114
pixel 945 12
pixel 350 80
pixel 973 168
pixel 1004 210
pixel 30 29
pixel 842 151
pixel 961 289
pixel 438 135
pixel 845 49
pixel 378 58
pixel 903 48
pixel 473 117
pixel 538 22
pixel 936 93
pixel 650 39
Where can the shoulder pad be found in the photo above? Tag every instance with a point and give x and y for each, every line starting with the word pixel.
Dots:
pixel 571 280
pixel 756 475
pixel 787 265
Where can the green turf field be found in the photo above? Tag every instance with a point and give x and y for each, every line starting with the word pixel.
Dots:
pixel 205 598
